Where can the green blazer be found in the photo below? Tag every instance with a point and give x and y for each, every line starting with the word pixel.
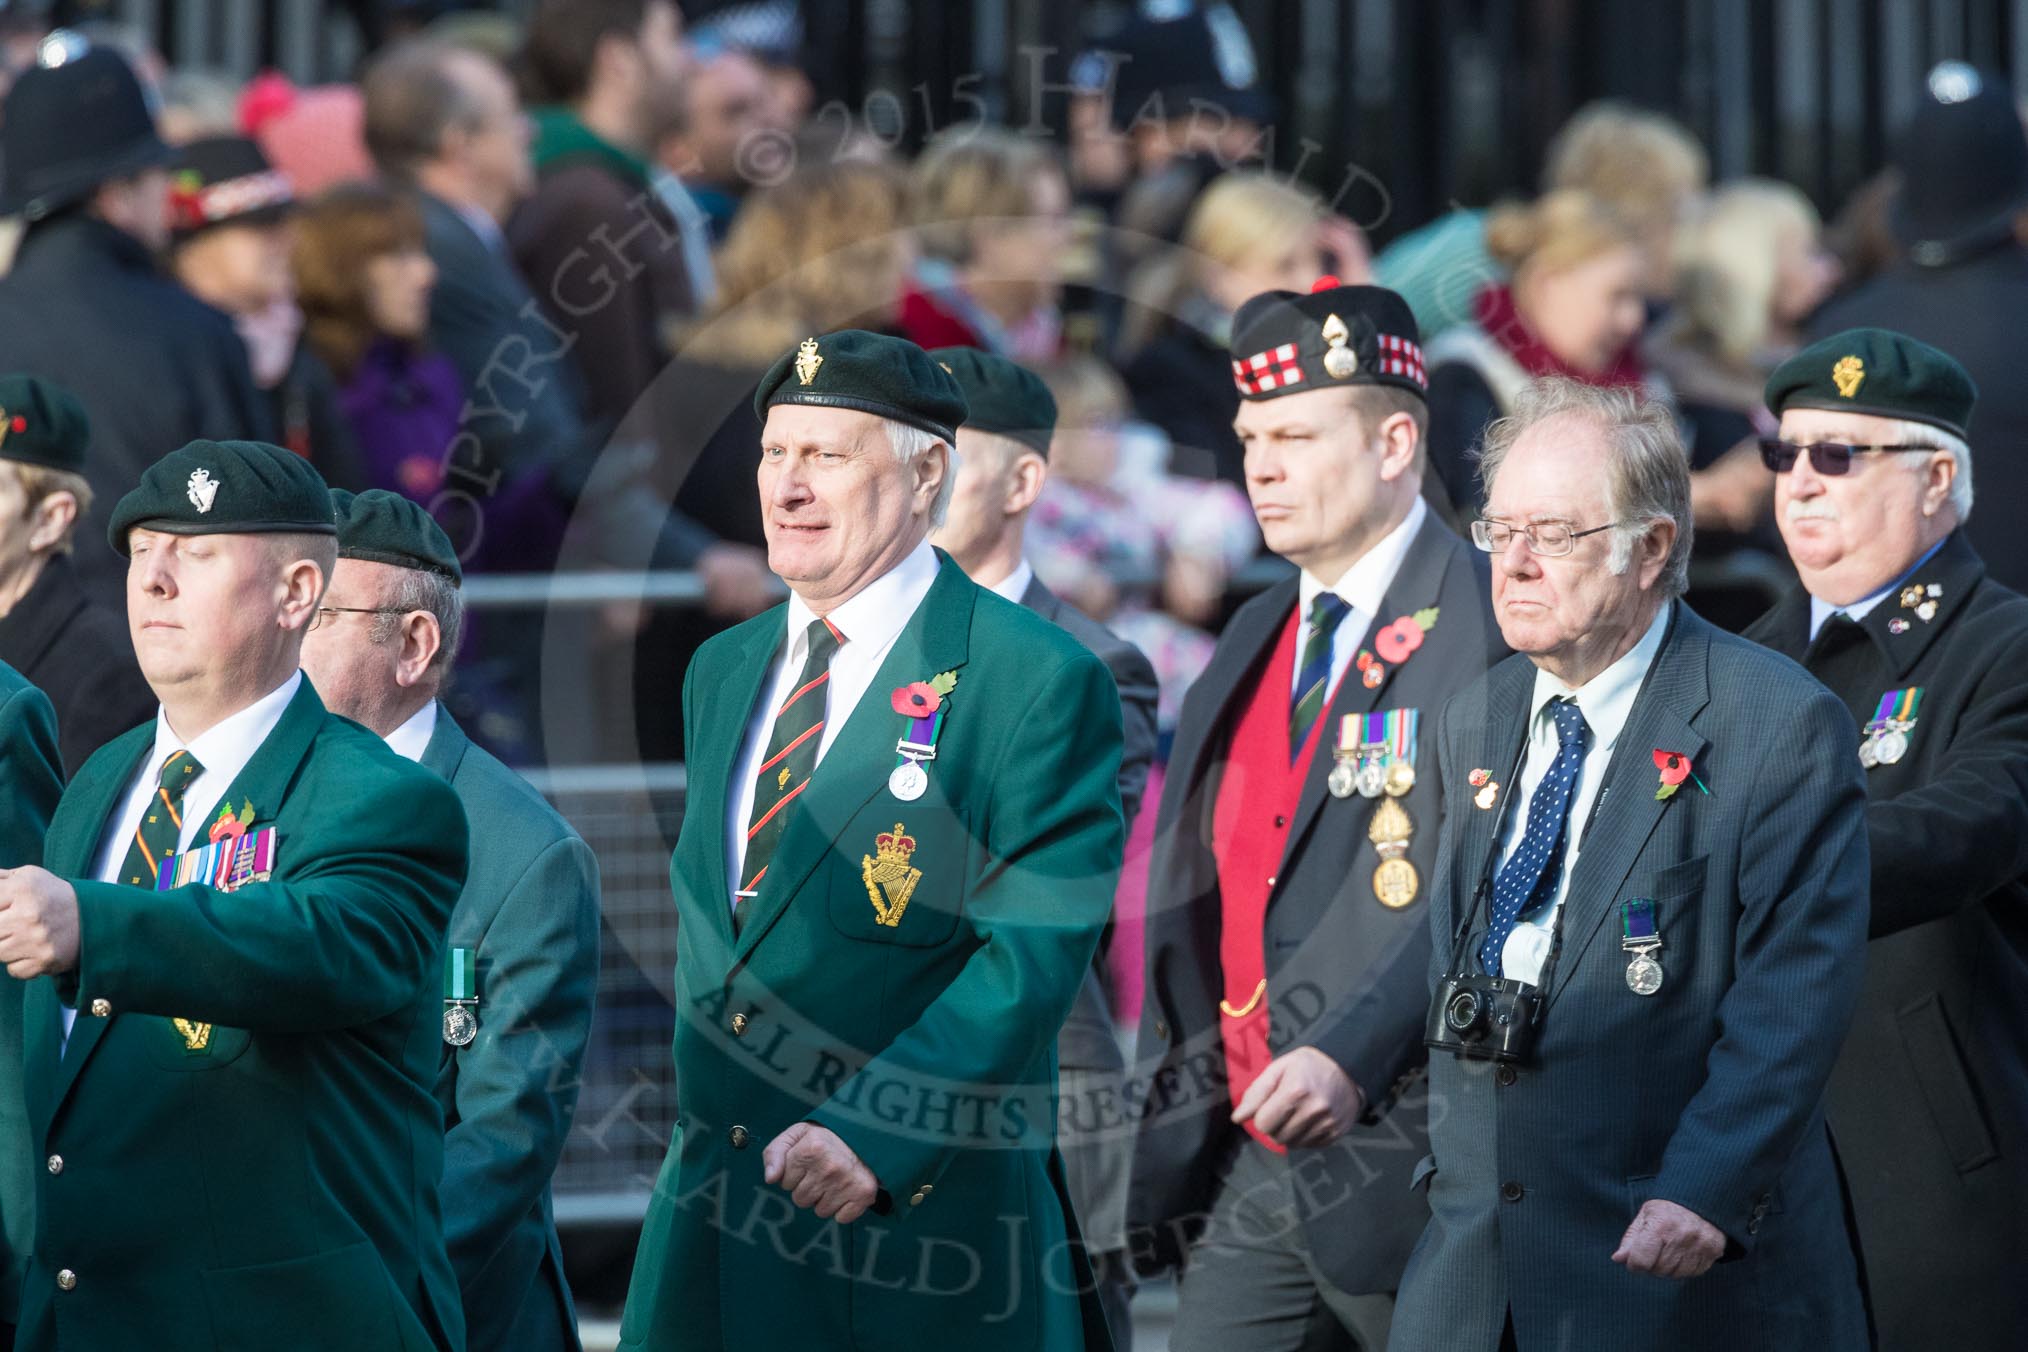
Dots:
pixel 927 1045
pixel 31 781
pixel 279 1188
pixel 530 912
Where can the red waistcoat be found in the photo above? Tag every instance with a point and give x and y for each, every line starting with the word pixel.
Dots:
pixel 1249 832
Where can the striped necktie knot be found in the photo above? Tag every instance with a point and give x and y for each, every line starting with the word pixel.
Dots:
pixel 1313 680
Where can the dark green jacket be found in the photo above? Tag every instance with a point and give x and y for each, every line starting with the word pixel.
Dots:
pixel 927 1045
pixel 30 783
pixel 278 1189
pixel 530 911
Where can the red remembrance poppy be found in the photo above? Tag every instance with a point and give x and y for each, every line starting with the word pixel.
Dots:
pixel 1675 767
pixel 916 700
pixel 1398 640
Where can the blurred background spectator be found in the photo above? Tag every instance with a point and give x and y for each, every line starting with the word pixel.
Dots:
pixel 1249 232
pixel 991 211
pixel 230 234
pixel 1575 307
pixel 364 280
pixel 1750 270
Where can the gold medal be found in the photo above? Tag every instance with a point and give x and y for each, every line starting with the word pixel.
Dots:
pixel 1395 883
pixel 1400 778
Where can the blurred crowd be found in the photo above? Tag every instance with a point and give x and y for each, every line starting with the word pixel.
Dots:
pixel 528 272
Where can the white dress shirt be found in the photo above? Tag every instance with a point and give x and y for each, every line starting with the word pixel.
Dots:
pixel 223 750
pixel 1014 586
pixel 870 622
pixel 1363 587
pixel 412 738
pixel 1605 701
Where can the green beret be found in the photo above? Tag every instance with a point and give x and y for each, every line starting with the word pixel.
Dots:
pixel 1875 371
pixel 869 372
pixel 384 527
pixel 1001 396
pixel 226 488
pixel 42 424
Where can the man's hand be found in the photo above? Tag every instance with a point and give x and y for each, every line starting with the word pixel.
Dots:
pixel 737 583
pixel 820 1172
pixel 38 923
pixel 1302 1099
pixel 1667 1240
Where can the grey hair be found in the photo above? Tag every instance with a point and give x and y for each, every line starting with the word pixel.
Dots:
pixel 1906 433
pixel 1649 472
pixel 420 589
pixel 909 442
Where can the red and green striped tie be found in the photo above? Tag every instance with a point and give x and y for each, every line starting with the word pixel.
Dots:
pixel 161 827
pixel 786 770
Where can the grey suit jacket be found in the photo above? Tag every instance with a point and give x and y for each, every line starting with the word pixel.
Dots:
pixel 1709 1092
pixel 530 911
pixel 1345 974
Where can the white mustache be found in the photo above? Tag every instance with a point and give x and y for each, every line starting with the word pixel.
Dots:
pixel 1816 509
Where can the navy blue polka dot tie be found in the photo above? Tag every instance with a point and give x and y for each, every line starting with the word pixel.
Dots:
pixel 1529 878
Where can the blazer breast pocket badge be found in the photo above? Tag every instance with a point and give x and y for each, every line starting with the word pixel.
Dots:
pixel 890 877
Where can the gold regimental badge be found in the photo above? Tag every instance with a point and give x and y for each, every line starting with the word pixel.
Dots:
pixel 196 1036
pixel 1340 361
pixel 1847 374
pixel 890 881
pixel 1395 881
pixel 807 361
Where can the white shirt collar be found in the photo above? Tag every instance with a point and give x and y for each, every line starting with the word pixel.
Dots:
pixel 1606 699
pixel 1014 586
pixel 877 612
pixel 224 748
pixel 412 738
pixel 1364 585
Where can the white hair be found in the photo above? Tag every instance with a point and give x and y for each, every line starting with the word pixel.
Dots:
pixel 910 442
pixel 1647 473
pixel 1902 432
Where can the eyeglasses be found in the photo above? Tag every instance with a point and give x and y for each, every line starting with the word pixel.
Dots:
pixel 1830 458
pixel 317 620
pixel 1549 539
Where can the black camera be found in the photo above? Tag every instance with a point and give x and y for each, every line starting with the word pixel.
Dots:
pixel 1484 1018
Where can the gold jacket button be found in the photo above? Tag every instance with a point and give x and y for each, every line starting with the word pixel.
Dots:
pixel 738 1137
pixel 56 1164
pixel 66 1280
pixel 102 1008
pixel 915 1200
pixel 1162 1029
pixel 739 1025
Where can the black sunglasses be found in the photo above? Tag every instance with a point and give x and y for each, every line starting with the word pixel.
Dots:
pixel 1830 458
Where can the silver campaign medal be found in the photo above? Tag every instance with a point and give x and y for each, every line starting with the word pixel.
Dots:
pixel 1644 974
pixel 1343 780
pixel 1372 777
pixel 908 781
pixel 459 1025
pixel 1891 746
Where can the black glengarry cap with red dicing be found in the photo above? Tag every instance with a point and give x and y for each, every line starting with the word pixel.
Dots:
pixel 1288 342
